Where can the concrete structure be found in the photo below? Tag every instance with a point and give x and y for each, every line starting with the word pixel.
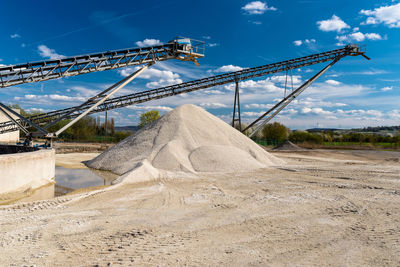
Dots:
pixel 11 137
pixel 21 171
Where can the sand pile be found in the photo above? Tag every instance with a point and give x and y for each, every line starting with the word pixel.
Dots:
pixel 287 145
pixel 186 140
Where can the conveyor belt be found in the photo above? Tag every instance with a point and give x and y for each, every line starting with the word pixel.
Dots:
pixel 145 96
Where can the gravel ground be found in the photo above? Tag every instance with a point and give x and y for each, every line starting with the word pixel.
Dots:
pixel 323 208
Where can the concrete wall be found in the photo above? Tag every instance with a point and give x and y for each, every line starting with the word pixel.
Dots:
pixel 20 171
pixel 11 137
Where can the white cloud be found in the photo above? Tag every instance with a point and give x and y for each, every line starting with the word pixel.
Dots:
pixel 333 24
pixel 140 107
pixel 387 88
pixel 156 73
pixel 256 22
pixel 388 15
pixel 257 8
pixel 298 42
pixel 212 44
pixel 55 97
pixel 15 35
pixel 159 78
pixel 261 85
pixel 162 83
pixel 151 73
pixel 332 82
pixel 206 37
pixel 361 112
pixel 46 52
pixel 282 79
pixel 343 91
pixel 84 91
pixel 373 36
pixel 66 98
pixel 228 68
pixel 312 102
pixel 306 41
pixel 357 37
pixel 394 114
pixel 213 105
pixel 148 42
pixel 252 114
pixel 316 111
pixel 259 106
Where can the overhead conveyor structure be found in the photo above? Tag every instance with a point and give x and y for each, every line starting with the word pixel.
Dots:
pixel 180 48
pixel 186 87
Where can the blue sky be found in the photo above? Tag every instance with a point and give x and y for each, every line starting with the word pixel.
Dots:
pixel 239 34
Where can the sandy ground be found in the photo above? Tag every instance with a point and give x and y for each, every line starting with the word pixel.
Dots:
pixel 74 160
pixel 324 208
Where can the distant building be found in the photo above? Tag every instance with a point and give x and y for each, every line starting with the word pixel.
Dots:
pixel 10 137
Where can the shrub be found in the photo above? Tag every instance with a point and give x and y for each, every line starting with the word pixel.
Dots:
pixel 305 137
pixel 148 117
pixel 275 131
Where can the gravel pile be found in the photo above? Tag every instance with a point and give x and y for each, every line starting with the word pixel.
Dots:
pixel 288 146
pixel 185 140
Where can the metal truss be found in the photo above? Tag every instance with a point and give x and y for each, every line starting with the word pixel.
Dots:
pixel 285 101
pixel 236 107
pixel 71 66
pixel 145 96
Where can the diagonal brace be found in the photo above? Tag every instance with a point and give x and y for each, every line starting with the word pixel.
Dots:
pixel 6 109
pixel 110 91
pixel 286 100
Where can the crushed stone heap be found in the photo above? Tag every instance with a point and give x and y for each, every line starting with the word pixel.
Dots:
pixel 187 139
pixel 287 145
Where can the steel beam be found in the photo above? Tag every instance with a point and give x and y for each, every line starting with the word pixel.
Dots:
pixel 21 118
pixel 104 96
pixel 20 126
pixel 236 104
pixel 77 65
pixel 286 100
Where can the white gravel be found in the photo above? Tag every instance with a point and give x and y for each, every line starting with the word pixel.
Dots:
pixel 186 140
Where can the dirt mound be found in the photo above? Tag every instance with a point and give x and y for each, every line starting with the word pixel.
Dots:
pixel 186 140
pixel 287 145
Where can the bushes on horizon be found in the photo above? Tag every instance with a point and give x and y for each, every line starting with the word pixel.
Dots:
pixel 305 137
pixel 121 135
pixel 275 131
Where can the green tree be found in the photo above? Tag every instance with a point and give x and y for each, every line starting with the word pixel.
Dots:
pixel 305 137
pixel 121 135
pixel 275 131
pixel 84 129
pixel 148 117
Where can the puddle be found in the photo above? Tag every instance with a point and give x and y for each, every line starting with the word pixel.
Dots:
pixel 68 180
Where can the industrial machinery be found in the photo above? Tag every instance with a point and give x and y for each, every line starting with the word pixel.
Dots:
pixel 232 77
pixel 181 48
